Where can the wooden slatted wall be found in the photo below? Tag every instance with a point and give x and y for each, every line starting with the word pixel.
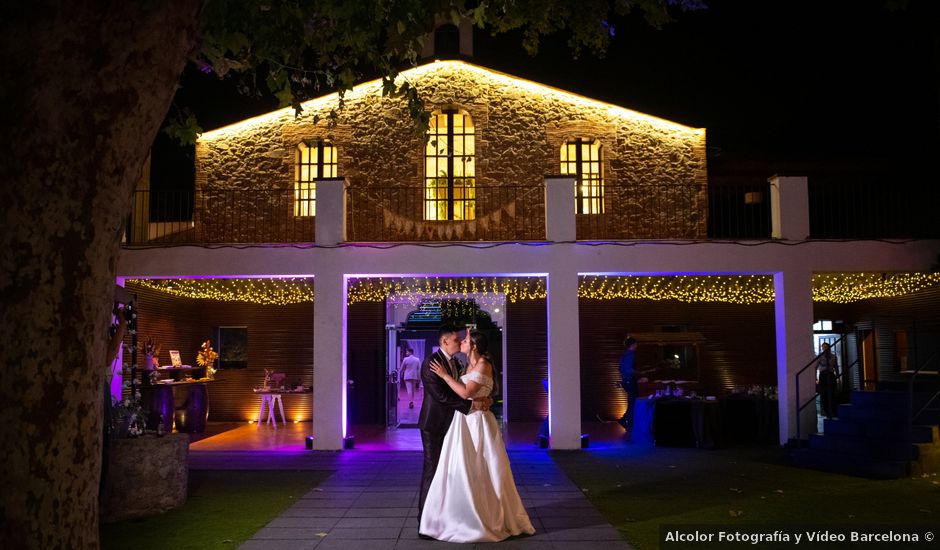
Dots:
pixel 917 315
pixel 739 346
pixel 279 338
pixel 527 360
pixel 365 362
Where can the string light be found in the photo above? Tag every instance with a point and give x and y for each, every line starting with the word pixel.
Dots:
pixel 491 292
pixel 735 289
pixel 484 290
pixel 262 291
pixel 844 288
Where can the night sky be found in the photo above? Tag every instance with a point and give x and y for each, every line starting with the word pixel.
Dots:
pixel 847 85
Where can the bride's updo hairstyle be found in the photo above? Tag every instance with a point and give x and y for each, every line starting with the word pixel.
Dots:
pixel 480 343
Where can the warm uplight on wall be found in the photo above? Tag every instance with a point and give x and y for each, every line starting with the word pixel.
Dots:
pixel 477 76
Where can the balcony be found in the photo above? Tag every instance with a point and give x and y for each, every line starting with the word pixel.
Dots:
pixel 520 213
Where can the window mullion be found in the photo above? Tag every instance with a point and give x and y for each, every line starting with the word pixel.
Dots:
pixel 450 165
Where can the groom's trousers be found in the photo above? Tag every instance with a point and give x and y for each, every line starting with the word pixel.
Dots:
pixel 432 443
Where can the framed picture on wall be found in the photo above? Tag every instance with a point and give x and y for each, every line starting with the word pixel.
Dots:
pixel 233 347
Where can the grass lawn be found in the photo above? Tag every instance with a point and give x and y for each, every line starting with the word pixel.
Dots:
pixel 639 488
pixel 223 510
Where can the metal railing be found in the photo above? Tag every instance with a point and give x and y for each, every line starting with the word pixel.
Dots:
pixel 739 211
pixel 858 209
pixel 872 209
pixel 400 213
pixel 648 211
pixel 912 416
pixel 217 216
pixel 796 379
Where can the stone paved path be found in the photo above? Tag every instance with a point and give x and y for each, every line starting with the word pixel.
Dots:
pixel 371 503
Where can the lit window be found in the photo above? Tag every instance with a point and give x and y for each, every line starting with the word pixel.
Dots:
pixel 582 158
pixel 449 192
pixel 315 160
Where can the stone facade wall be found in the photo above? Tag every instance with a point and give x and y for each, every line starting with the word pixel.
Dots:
pixel 145 476
pixel 654 171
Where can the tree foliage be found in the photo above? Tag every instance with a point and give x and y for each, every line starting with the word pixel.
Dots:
pixel 298 49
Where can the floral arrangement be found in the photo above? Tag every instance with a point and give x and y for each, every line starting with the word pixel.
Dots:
pixel 127 417
pixel 267 378
pixel 206 357
pixel 151 351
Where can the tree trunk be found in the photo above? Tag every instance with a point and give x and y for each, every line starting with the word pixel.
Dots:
pixel 85 86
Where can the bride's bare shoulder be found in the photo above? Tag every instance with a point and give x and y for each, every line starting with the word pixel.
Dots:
pixel 485 367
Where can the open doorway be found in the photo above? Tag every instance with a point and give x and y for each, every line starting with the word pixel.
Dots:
pixel 412 336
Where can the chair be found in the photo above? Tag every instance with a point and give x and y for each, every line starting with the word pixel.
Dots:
pixel 272 399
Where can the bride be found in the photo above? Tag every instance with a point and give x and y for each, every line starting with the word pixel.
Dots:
pixel 473 496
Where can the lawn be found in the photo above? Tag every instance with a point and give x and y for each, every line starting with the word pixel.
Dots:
pixel 223 510
pixel 639 488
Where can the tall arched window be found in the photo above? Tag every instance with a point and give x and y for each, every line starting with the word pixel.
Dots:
pixel 582 158
pixel 315 160
pixel 449 192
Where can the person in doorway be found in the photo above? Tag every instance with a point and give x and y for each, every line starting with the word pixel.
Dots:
pixel 827 380
pixel 440 404
pixel 473 496
pixel 410 372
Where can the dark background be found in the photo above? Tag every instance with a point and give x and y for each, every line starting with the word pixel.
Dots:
pixel 815 87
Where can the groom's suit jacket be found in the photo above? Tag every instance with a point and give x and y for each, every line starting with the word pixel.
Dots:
pixel 440 401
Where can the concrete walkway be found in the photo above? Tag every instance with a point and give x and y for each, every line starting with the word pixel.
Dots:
pixel 371 502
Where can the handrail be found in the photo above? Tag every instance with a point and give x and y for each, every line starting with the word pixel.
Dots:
pixel 796 378
pixel 911 415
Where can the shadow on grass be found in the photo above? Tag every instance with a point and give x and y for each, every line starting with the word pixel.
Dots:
pixel 224 508
pixel 638 489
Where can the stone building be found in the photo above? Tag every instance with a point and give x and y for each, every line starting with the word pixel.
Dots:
pixel 538 205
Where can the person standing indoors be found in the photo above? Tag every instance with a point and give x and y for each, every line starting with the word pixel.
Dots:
pixel 628 380
pixel 827 376
pixel 410 372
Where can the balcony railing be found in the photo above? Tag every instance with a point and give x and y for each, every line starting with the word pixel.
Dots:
pixel 739 211
pixel 217 216
pixel 517 213
pixel 492 213
pixel 873 209
pixel 647 211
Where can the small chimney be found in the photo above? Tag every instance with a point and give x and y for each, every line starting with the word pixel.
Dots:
pixel 449 41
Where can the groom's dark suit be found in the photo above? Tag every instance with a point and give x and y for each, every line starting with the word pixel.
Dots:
pixel 437 412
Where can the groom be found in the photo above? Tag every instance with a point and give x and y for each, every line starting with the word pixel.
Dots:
pixel 439 405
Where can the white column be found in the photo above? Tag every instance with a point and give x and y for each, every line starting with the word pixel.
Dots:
pixel 789 208
pixel 793 314
pixel 329 360
pixel 560 209
pixel 564 361
pixel 331 211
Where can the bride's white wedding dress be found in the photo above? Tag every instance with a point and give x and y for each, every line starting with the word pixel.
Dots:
pixel 473 496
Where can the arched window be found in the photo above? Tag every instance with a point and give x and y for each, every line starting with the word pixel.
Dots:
pixel 315 160
pixel 449 192
pixel 582 158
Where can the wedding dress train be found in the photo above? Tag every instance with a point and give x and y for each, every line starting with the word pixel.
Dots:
pixel 473 496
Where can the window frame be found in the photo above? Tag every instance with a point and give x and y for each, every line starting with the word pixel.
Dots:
pixel 593 201
pixel 461 208
pixel 305 191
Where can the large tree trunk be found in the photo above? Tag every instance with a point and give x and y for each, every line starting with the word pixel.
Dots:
pixel 85 87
